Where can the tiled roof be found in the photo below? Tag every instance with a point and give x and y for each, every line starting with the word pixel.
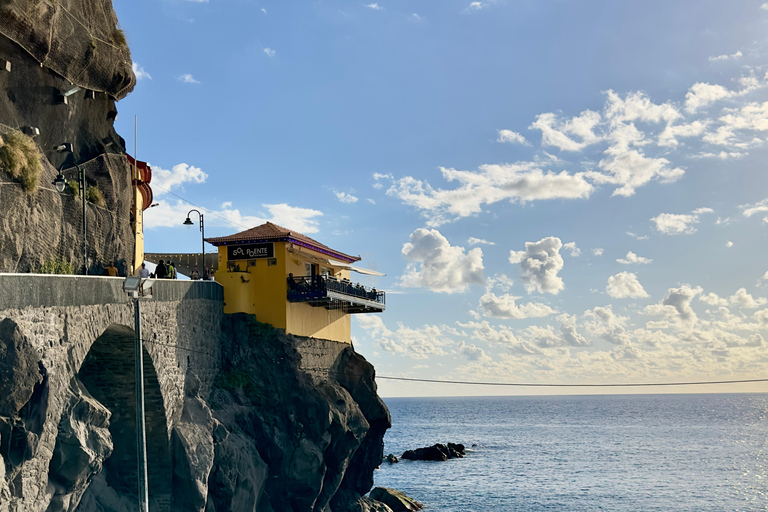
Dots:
pixel 273 233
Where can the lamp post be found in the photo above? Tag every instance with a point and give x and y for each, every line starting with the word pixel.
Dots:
pixel 189 224
pixel 60 183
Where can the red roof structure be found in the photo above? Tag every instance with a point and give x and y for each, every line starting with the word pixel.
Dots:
pixel 145 176
pixel 273 233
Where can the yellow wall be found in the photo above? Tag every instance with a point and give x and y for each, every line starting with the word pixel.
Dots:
pixel 138 230
pixel 261 290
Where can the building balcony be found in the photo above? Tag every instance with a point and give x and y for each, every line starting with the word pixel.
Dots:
pixel 331 293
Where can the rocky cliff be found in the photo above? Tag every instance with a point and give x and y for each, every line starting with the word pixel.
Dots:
pixel 289 424
pixel 48 49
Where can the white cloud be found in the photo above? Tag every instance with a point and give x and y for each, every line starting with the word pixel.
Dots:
pixel 632 169
pixel 751 209
pixel 675 224
pixel 269 52
pixel 370 200
pixel 637 106
pixel 753 117
pixel 375 7
pixel 764 6
pixel 729 244
pixel 188 79
pixel 436 264
pixel 417 17
pixel 292 217
pixel 701 94
pixel 676 306
pixel 574 250
pixel 164 180
pixel 712 299
pixel 139 72
pixel 519 182
pixel 345 197
pixel 674 131
pixel 547 337
pixel 473 353
pixel 379 177
pixel 540 263
pixel 504 306
pixel 602 322
pixel 263 10
pixel 564 134
pixel 510 136
pixel 476 5
pixel 422 343
pixel 625 285
pixel 479 241
pixel 743 299
pixel 598 251
pixel 636 236
pixel 634 259
pixel 736 55
pixel 501 281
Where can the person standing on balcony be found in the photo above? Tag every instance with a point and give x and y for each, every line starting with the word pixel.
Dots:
pixel 161 271
pixel 195 275
pixel 171 271
pixel 143 272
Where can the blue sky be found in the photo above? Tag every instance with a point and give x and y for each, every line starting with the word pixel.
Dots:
pixel 558 191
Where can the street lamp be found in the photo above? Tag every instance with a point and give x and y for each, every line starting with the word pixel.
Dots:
pixel 60 183
pixel 189 224
pixel 138 288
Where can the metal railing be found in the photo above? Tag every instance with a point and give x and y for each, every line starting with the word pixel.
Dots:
pixel 309 287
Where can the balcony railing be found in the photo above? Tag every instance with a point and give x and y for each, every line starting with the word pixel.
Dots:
pixel 331 293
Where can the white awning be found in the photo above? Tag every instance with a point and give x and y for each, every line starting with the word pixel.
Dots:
pixel 359 270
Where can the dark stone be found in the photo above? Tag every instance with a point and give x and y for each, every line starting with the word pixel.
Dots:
pixel 396 500
pixel 19 371
pixel 437 452
pixel 391 459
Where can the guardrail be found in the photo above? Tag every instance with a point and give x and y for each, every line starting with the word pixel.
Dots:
pixel 306 288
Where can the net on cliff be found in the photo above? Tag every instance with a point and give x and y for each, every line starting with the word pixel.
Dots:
pixel 78 39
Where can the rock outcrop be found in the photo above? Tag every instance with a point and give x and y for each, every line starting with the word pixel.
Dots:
pixel 436 452
pixel 46 49
pixel 395 500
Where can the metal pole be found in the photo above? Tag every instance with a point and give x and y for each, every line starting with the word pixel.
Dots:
pixel 141 438
pixel 81 176
pixel 202 230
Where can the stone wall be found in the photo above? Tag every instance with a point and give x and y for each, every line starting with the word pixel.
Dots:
pixel 58 318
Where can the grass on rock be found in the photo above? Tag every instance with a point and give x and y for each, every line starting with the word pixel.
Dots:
pixel 21 159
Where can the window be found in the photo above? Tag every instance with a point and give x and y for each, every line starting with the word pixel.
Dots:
pixel 271 262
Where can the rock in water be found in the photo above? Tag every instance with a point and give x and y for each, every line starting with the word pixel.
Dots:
pixel 391 459
pixel 396 500
pixel 436 452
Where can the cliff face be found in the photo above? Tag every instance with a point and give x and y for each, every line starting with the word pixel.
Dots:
pixel 46 49
pixel 288 424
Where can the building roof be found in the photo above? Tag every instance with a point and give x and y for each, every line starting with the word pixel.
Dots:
pixel 273 233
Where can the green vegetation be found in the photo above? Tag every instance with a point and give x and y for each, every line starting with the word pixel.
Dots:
pixel 57 266
pixel 118 37
pixel 73 187
pixel 94 195
pixel 19 157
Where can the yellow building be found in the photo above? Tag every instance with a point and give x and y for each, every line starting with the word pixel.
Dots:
pixel 141 176
pixel 292 282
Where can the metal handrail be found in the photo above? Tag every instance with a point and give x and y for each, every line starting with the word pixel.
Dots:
pixel 320 285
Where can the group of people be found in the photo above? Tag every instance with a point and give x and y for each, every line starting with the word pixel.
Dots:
pixel 168 271
pixel 320 284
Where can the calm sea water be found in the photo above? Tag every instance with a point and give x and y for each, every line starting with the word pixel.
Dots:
pixel 585 453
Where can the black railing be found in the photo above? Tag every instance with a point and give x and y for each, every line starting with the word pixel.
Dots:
pixel 307 288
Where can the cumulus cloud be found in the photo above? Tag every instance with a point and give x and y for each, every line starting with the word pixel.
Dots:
pixel 436 264
pixel 598 251
pixel 547 336
pixel 750 209
pixel 602 322
pixel 636 236
pixel 634 259
pixel 676 306
pixel 729 244
pixel 344 197
pixel 571 135
pixel 764 6
pixel 519 182
pixel 422 343
pixel 743 299
pixel 736 55
pixel 540 263
pixel 270 52
pixel 165 180
pixel 625 285
pixel 702 94
pixel 574 250
pixel 712 299
pixel 675 224
pixel 738 126
pixel 139 72
pixel 473 353
pixel 501 281
pixel 504 306
pixel 510 136
pixel 188 79
pixel 479 241
pixel 379 177
pixel 374 6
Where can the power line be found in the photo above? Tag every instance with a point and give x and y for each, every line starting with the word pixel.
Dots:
pixel 546 385
pixel 210 212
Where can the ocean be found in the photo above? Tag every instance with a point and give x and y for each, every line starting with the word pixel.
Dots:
pixel 584 453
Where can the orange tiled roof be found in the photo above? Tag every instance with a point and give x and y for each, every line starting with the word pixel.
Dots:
pixel 273 233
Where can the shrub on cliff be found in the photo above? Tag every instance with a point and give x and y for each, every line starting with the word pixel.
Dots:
pixel 94 195
pixel 20 158
pixel 57 266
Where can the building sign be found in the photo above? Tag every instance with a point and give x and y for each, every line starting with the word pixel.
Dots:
pixel 250 251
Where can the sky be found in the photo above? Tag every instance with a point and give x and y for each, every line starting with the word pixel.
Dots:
pixel 558 192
